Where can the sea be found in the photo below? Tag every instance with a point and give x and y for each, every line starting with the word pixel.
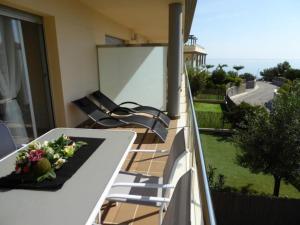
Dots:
pixel 253 66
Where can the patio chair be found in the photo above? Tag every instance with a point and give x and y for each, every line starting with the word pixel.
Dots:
pixel 7 144
pixel 105 120
pixel 113 108
pixel 179 207
pixel 136 188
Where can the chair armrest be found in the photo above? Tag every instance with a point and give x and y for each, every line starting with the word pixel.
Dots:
pixel 143 185
pixel 114 197
pixel 122 109
pixel 149 150
pixel 133 103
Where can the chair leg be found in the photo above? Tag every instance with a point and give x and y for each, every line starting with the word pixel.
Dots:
pixel 161 211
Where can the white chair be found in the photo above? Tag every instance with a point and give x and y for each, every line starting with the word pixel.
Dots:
pixel 7 144
pixel 143 189
pixel 179 206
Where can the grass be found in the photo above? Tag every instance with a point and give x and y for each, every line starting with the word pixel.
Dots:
pixel 210 97
pixel 210 115
pixel 208 107
pixel 220 153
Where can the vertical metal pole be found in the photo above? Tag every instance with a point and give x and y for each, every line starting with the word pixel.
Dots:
pixel 175 52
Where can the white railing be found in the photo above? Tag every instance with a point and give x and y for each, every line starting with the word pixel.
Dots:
pixel 194 144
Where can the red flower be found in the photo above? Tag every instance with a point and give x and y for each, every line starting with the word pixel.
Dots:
pixel 26 169
pixel 18 169
pixel 35 155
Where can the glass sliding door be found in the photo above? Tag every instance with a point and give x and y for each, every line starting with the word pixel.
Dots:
pixel 25 101
pixel 13 88
pixel 38 75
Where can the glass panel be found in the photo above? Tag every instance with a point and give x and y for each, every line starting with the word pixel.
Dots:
pixel 14 102
pixel 38 76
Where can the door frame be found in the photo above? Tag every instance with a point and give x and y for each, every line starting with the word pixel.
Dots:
pixel 20 16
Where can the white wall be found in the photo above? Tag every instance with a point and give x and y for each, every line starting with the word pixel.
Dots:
pixel 134 74
pixel 72 31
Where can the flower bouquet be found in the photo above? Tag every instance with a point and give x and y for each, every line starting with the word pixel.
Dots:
pixel 41 160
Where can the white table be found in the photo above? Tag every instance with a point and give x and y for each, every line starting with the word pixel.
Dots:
pixel 80 198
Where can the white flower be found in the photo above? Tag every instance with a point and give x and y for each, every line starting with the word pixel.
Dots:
pixel 66 137
pixel 56 156
pixel 36 145
pixel 59 163
pixel 49 150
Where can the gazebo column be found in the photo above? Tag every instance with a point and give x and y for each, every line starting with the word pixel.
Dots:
pixel 175 55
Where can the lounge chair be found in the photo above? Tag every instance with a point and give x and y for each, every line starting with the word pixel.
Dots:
pixel 112 107
pixel 105 120
pixel 7 144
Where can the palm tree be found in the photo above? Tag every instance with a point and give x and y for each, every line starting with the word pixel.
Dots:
pixel 209 66
pixel 221 66
pixel 238 68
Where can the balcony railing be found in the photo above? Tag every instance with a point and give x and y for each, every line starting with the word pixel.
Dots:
pixel 194 144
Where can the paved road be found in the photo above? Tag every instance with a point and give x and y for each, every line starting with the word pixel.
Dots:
pixel 263 93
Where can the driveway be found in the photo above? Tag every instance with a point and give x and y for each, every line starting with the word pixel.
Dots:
pixel 263 93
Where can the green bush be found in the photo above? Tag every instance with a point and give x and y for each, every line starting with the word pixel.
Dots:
pixel 292 74
pixel 198 80
pixel 278 71
pixel 248 76
pixel 218 76
pixel 212 120
pixel 237 115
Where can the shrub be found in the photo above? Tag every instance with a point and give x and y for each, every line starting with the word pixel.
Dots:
pixel 271 73
pixel 237 116
pixel 218 76
pixel 248 76
pixel 292 74
pixel 232 73
pixel 198 81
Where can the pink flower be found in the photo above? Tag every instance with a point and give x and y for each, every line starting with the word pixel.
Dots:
pixel 35 155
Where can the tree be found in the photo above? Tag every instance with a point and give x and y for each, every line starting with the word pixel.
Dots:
pixel 218 76
pixel 292 74
pixel 221 66
pixel 238 68
pixel 278 71
pixel 270 142
pixel 237 115
pixel 247 76
pixel 198 80
pixel 209 66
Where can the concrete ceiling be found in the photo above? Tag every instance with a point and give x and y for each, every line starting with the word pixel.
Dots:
pixel 146 17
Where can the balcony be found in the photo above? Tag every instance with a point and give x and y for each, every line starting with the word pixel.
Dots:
pixel 72 74
pixel 153 164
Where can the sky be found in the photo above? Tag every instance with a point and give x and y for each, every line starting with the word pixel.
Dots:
pixel 248 29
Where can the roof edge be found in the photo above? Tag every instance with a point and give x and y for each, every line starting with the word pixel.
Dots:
pixel 190 7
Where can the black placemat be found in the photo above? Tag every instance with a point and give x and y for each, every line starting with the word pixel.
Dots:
pixel 17 181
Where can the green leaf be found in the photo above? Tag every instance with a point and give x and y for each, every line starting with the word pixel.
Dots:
pixel 49 175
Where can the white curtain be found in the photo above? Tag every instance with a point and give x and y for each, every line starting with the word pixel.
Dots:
pixel 11 75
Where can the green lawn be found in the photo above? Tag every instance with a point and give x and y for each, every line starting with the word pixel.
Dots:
pixel 210 115
pixel 220 153
pixel 207 107
pixel 210 96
